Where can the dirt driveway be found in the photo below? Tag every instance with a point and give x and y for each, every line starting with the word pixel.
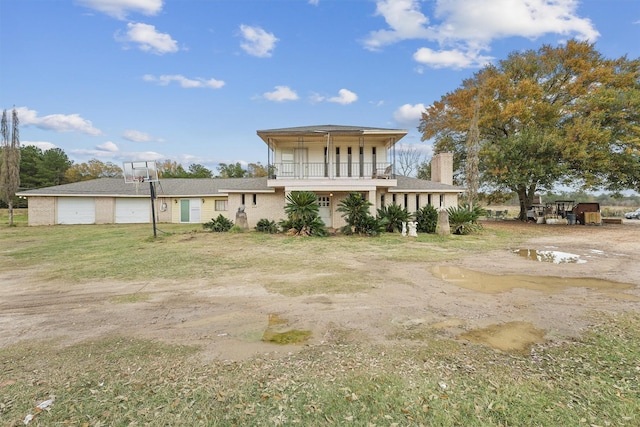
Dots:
pixel 545 289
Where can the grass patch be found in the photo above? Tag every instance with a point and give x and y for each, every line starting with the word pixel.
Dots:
pixel 432 381
pixel 127 252
pixel 20 218
pixel 130 298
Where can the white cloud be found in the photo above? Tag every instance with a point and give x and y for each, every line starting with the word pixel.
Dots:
pixel 454 58
pixel 486 20
pixel 113 153
pixel 43 145
pixel 257 42
pixel 409 115
pixel 120 8
pixel 345 96
pixel 57 122
pixel 137 136
pixel 405 21
pixel 463 29
pixel 184 82
pixel 148 39
pixel 314 2
pixel 282 93
pixel 108 146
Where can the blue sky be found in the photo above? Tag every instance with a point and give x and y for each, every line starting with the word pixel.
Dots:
pixel 193 80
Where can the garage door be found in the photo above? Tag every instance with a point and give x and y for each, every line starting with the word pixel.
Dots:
pixel 133 211
pixel 76 210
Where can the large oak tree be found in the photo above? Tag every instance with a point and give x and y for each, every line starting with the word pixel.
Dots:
pixel 558 115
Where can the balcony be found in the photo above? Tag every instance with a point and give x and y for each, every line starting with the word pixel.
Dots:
pixel 320 170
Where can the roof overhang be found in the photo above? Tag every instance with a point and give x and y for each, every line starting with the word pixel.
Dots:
pixel 320 133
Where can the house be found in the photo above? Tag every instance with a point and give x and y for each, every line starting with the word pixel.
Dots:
pixel 330 161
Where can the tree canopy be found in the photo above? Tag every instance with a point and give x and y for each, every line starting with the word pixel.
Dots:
pixel 93 169
pixel 558 115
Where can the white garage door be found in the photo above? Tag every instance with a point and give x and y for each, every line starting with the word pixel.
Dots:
pixel 76 210
pixel 133 211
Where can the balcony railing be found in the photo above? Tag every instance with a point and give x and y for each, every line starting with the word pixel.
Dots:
pixel 330 171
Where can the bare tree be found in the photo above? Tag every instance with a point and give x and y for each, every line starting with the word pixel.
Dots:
pixel 10 168
pixel 409 160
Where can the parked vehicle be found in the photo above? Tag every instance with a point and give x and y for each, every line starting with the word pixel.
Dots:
pixel 633 215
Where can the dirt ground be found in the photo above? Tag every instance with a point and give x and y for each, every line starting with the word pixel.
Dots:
pixel 506 299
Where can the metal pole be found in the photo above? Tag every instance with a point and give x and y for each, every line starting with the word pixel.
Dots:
pixel 152 191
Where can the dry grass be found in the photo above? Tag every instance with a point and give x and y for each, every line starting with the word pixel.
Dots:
pixel 414 378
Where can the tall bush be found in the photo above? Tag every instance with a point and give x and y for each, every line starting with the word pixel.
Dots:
pixel 355 211
pixel 394 216
pixel 427 219
pixel 303 215
pixel 464 220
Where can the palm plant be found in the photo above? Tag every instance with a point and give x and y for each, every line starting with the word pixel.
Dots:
pixel 427 219
pixel 355 211
pixel 303 214
pixel 464 220
pixel 394 216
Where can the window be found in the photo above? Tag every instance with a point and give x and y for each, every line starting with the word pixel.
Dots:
pixel 417 201
pixel 287 167
pixel 429 199
pixel 406 201
pixel 337 161
pixel 374 160
pixel 382 200
pixel 393 199
pixel 255 199
pixel 324 201
pixel 441 200
pixel 287 156
pixel 326 162
pixel 221 205
pixel 242 200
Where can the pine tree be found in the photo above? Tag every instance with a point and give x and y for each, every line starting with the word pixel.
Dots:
pixel 10 168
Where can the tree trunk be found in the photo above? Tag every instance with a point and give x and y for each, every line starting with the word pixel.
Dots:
pixel 10 205
pixel 525 197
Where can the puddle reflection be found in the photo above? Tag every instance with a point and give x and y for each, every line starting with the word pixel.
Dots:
pixel 555 257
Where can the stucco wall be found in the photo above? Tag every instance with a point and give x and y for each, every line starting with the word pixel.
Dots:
pixel 42 211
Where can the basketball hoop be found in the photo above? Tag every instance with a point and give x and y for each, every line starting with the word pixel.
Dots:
pixel 143 171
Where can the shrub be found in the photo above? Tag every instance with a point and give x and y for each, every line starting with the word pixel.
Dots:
pixel 220 224
pixel 303 215
pixel 267 226
pixel 355 211
pixel 427 219
pixel 464 220
pixel 394 216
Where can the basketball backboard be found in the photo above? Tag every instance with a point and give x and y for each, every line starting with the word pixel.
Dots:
pixel 140 171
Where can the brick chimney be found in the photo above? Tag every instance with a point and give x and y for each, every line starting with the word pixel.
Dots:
pixel 442 168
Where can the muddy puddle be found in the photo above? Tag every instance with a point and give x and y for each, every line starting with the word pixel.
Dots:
pixel 554 257
pixel 493 283
pixel 511 337
pixel 251 327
